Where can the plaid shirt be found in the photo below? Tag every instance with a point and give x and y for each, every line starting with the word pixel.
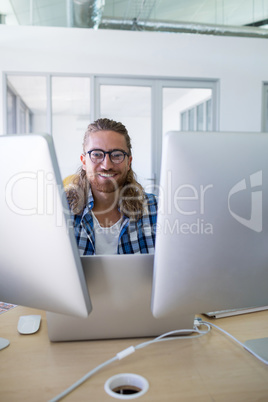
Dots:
pixel 136 236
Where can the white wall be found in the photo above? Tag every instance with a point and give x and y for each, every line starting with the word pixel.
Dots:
pixel 241 64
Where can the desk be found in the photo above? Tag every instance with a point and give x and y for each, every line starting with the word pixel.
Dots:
pixel 210 368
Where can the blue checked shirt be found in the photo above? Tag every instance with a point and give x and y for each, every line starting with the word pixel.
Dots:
pixel 136 236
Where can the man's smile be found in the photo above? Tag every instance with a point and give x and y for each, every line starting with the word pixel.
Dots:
pixel 102 174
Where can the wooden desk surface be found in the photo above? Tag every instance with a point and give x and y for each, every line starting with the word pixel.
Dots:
pixel 210 368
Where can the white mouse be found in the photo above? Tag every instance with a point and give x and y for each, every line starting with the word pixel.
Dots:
pixel 3 343
pixel 29 324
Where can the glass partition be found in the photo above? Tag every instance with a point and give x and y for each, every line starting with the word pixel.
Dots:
pixel 26 104
pixel 70 118
pixel 187 109
pixel 63 106
pixel 131 105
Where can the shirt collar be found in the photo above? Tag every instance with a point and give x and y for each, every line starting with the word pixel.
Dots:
pixel 90 203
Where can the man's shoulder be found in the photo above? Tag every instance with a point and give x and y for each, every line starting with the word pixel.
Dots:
pixel 151 198
pixel 151 204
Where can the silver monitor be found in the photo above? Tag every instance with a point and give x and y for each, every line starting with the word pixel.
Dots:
pixel 39 262
pixel 212 240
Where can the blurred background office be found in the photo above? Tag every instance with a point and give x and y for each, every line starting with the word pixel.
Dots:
pixel 155 65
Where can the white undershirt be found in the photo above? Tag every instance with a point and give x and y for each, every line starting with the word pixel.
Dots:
pixel 106 238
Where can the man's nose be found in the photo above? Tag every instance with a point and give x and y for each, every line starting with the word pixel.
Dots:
pixel 107 163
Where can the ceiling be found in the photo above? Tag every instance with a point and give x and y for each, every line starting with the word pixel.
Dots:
pixel 165 15
pixel 127 14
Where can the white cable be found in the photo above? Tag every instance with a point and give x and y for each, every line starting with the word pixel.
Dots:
pixel 127 352
pixel 83 379
pixel 237 341
pixel 161 338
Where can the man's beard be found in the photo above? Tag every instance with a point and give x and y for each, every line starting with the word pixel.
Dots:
pixel 109 185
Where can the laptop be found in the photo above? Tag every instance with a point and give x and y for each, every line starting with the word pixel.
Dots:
pixel 120 288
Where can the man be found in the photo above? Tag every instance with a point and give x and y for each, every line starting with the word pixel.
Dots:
pixel 111 212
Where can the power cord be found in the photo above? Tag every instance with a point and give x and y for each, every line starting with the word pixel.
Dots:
pixel 237 341
pixel 126 352
pixel 168 336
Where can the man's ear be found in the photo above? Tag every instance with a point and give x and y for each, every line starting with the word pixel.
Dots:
pixel 83 160
pixel 129 161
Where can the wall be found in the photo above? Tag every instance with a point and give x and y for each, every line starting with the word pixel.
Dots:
pixel 239 63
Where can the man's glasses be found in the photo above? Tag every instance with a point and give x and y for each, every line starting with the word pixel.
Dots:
pixel 116 155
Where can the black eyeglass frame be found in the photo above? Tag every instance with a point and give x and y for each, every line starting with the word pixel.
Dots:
pixel 109 153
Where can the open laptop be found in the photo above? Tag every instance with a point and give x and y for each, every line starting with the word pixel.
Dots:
pixel 120 289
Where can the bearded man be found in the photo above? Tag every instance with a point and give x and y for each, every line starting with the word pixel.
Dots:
pixel 111 212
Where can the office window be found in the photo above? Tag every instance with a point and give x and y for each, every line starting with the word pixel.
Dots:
pixel 18 114
pixel 184 121
pixel 70 117
pixel 24 117
pixel 26 103
pixel 208 115
pixel 187 108
pixel 199 117
pixel 132 105
pixel 11 112
pixel 191 119
pixel 63 106
pixel 57 105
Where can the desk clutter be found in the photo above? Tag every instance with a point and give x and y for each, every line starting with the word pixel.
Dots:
pixel 4 307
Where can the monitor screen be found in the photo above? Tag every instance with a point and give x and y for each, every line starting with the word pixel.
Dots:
pixel 212 232
pixel 40 265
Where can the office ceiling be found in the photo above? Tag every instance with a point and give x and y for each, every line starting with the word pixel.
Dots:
pixel 162 15
pixel 165 15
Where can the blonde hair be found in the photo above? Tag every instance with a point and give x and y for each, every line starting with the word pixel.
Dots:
pixel 131 200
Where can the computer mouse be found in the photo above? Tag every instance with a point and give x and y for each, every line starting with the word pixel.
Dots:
pixel 3 343
pixel 29 324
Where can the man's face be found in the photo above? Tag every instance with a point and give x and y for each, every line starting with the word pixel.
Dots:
pixel 106 176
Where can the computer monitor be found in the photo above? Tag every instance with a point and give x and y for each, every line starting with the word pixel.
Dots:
pixel 40 265
pixel 212 236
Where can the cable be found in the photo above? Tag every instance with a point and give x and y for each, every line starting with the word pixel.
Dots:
pixel 126 352
pixel 83 379
pixel 237 341
pixel 164 337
